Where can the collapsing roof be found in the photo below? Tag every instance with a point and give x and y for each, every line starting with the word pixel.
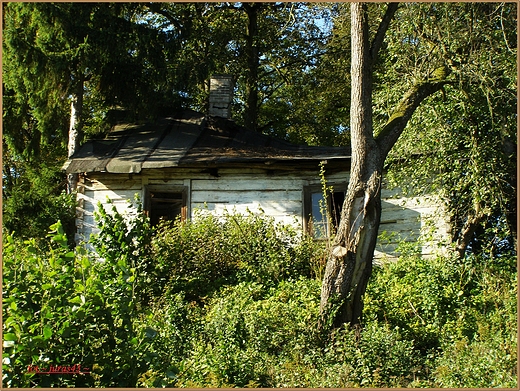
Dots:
pixel 191 139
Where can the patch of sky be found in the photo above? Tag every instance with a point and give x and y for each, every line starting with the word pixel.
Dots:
pixel 411 41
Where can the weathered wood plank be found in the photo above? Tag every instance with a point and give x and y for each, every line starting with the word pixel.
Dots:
pixel 245 196
pixel 241 184
pixel 166 182
pixel 223 209
pixel 121 184
pixel 290 208
pixel 114 195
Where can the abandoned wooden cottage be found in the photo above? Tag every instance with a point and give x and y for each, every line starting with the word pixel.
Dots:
pixel 190 161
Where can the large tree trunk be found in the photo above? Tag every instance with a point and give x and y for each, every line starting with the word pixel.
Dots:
pixel 349 264
pixel 75 130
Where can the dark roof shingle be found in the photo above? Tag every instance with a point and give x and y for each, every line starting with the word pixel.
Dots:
pixel 189 140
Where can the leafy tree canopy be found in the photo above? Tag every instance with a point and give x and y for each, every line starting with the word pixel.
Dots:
pixel 291 63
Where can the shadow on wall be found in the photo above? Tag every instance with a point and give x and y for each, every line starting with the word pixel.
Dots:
pixel 398 224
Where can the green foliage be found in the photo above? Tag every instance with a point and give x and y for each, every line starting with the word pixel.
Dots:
pixel 62 308
pixel 53 50
pixel 431 291
pixel 378 356
pixel 452 309
pixel 34 198
pixel 466 146
pixel 244 332
pixel 208 252
pixel 173 323
pixel 478 364
pixel 440 322
pixel 123 243
pixel 41 325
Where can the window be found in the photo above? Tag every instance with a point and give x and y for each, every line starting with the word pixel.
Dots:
pixel 165 204
pixel 322 217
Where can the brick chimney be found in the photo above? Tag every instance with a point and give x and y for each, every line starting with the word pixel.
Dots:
pixel 220 95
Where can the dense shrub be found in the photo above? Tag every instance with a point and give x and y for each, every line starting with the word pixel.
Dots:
pixel 174 323
pixel 123 244
pixel 234 301
pixel 453 309
pixel 417 295
pixel 253 335
pixel 379 356
pixel 34 199
pixel 247 331
pixel 62 308
pixel 209 252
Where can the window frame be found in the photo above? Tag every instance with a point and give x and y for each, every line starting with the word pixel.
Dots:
pixel 180 190
pixel 308 191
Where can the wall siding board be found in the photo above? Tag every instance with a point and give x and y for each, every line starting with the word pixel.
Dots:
pixel 219 209
pixel 242 184
pixel 105 182
pixel 290 210
pixel 244 197
pixel 254 190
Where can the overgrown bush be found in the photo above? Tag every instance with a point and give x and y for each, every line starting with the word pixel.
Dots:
pixel 175 323
pixel 254 335
pixel 234 301
pixel 123 244
pixel 453 309
pixel 378 356
pixel 63 308
pixel 246 331
pixel 209 252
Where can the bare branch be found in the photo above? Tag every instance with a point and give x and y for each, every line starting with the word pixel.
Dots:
pixel 381 31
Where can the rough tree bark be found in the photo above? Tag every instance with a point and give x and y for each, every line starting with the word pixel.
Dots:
pixel 75 130
pixel 473 219
pixel 349 264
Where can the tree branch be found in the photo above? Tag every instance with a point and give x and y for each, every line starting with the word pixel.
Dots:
pixel 473 220
pixel 381 31
pixel 402 114
pixel 156 8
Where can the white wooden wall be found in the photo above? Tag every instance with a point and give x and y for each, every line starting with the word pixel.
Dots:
pixel 280 196
pixel 408 219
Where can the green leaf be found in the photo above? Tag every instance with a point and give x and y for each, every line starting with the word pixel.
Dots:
pixel 84 262
pixel 56 227
pixel 47 332
pixel 10 337
pixel 75 300
pixel 59 238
